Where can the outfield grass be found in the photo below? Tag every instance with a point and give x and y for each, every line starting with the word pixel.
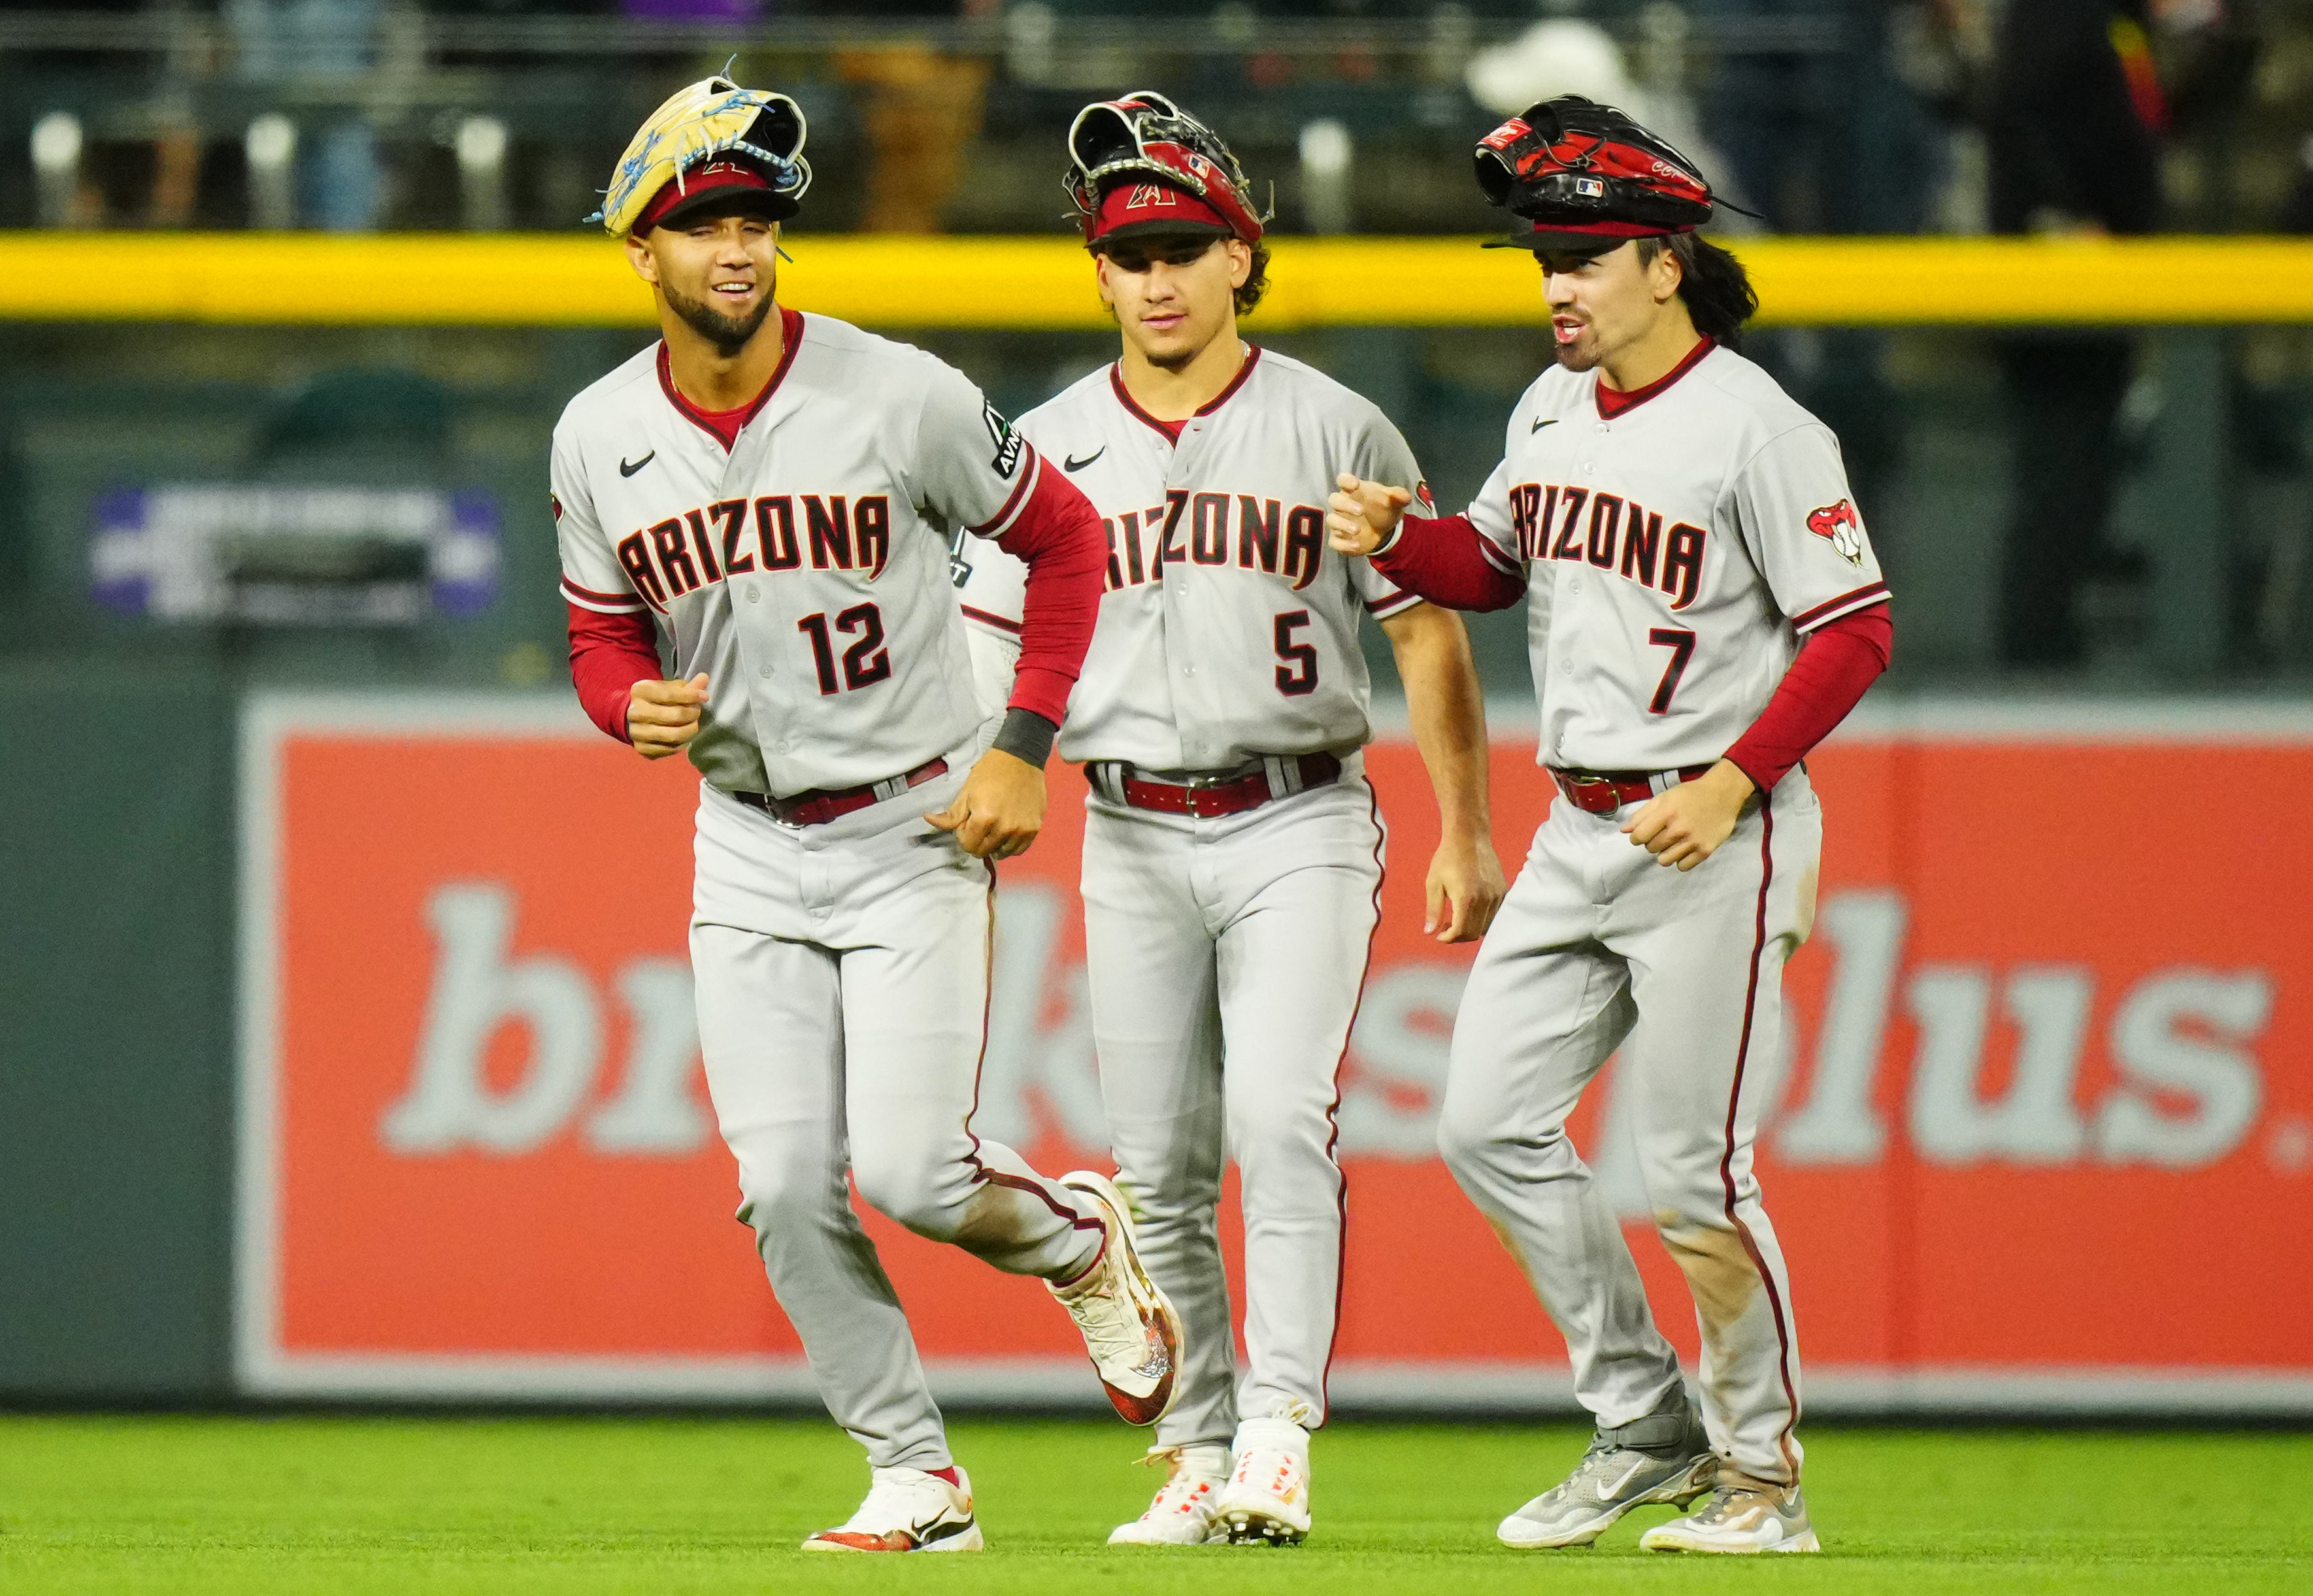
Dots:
pixel 666 1506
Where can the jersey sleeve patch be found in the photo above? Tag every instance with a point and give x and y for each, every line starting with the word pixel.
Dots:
pixel 1008 444
pixel 1839 526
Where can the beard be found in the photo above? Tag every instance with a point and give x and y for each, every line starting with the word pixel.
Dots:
pixel 729 333
pixel 1581 354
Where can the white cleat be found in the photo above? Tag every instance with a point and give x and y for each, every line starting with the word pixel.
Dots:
pixel 1129 1325
pixel 1266 1501
pixel 1743 1515
pixel 1185 1513
pixel 907 1509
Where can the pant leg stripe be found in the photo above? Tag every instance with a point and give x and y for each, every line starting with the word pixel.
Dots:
pixel 1727 1160
pixel 1334 1114
pixel 994 1177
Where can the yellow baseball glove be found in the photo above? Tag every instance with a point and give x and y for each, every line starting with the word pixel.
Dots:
pixel 711 117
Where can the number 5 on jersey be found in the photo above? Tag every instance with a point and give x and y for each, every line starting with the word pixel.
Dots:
pixel 1297 675
pixel 864 663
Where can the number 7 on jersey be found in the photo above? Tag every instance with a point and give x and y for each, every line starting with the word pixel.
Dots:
pixel 1681 644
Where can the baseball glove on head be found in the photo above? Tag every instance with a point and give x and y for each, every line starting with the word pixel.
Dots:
pixel 1586 175
pixel 1147 141
pixel 752 138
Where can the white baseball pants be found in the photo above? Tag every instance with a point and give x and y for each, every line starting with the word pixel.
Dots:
pixel 842 988
pixel 1226 957
pixel 1597 947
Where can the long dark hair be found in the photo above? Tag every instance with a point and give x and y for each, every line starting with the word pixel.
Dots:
pixel 1717 290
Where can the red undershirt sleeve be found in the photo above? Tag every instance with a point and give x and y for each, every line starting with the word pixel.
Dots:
pixel 1835 665
pixel 1448 561
pixel 1058 534
pixel 608 653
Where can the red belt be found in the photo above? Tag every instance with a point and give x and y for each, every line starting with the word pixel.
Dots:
pixel 1207 797
pixel 1602 792
pixel 822 804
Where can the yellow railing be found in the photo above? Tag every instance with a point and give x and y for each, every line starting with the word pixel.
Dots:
pixel 1028 283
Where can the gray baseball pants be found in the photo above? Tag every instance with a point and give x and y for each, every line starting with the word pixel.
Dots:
pixel 841 972
pixel 1226 957
pixel 1597 948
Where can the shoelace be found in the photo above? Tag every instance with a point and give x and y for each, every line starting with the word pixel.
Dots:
pixel 1728 1499
pixel 1182 1491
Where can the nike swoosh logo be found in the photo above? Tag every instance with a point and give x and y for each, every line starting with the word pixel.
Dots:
pixel 1073 464
pixel 1538 427
pixel 1609 1493
pixel 625 469
pixel 937 1528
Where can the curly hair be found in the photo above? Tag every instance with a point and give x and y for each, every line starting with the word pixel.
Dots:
pixel 1717 290
pixel 1256 281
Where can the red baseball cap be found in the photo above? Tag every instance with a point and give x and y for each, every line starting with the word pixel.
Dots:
pixel 728 182
pixel 1135 209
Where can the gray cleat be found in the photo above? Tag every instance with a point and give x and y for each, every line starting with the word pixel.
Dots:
pixel 1663 1457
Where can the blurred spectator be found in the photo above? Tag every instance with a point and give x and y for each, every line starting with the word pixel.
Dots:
pixel 2076 116
pixel 1818 135
pixel 310 42
pixel 922 111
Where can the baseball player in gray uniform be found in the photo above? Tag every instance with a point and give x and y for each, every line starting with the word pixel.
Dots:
pixel 1679 529
pixel 1232 849
pixel 767 498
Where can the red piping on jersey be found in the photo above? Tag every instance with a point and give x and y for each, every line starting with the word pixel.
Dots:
pixel 724 425
pixel 626 603
pixel 1032 466
pixel 1613 401
pixel 1172 429
pixel 986 619
pixel 1726 1158
pixel 1871 593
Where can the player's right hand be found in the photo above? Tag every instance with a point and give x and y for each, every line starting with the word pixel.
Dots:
pixel 661 716
pixel 1362 514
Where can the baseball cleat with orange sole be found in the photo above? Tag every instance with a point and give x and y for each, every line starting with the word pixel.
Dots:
pixel 1129 1325
pixel 907 1509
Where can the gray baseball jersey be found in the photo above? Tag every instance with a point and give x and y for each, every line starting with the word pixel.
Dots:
pixel 1228 629
pixel 1674 555
pixel 806 568
pixel 1674 546
pixel 842 968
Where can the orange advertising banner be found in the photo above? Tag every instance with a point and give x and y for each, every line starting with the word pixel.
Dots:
pixel 2043 1139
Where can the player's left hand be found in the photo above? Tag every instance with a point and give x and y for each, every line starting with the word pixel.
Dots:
pixel 1361 514
pixel 1000 808
pixel 1685 826
pixel 1466 887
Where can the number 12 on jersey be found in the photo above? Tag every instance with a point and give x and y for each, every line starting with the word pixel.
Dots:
pixel 864 663
pixel 1681 644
